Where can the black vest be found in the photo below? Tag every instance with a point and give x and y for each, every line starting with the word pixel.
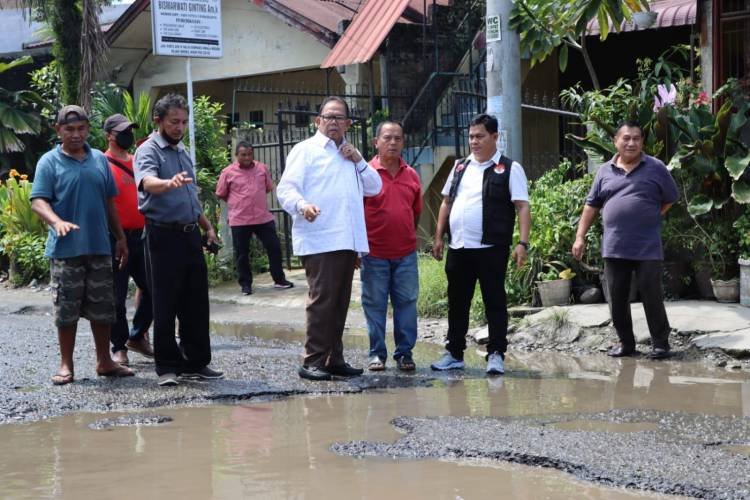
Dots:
pixel 498 211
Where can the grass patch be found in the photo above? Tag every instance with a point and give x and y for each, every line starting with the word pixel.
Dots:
pixel 433 292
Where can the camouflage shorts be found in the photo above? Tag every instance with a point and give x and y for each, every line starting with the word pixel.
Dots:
pixel 82 286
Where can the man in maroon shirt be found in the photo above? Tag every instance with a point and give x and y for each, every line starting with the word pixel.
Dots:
pixel 244 185
pixel 119 132
pixel 391 266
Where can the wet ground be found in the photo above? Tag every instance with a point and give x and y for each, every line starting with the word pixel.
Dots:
pixel 555 426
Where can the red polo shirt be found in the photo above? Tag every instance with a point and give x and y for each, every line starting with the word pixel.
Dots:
pixel 389 216
pixel 126 201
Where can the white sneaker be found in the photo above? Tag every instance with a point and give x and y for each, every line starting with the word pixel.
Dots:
pixel 447 362
pixel 495 364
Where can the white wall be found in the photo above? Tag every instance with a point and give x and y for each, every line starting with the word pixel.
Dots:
pixel 255 43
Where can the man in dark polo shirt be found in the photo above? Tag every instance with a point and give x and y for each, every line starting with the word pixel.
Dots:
pixel 633 191
pixel 175 266
pixel 390 269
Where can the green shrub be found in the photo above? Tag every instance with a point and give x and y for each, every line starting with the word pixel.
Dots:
pixel 219 270
pixel 26 253
pixel 556 200
pixel 22 233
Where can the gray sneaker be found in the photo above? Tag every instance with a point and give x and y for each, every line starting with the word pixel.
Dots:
pixel 168 379
pixel 447 362
pixel 204 373
pixel 495 364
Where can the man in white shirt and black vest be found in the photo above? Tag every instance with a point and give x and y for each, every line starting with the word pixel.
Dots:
pixel 481 198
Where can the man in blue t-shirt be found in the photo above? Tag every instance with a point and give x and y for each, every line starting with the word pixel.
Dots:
pixel 73 193
pixel 633 191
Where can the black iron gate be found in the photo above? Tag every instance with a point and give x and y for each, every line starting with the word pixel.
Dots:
pixel 272 146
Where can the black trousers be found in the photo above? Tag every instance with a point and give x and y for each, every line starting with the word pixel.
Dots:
pixel 178 282
pixel 135 268
pixel 648 275
pixel 266 233
pixel 463 268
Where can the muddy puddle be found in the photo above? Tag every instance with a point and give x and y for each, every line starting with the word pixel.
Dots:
pixel 265 450
pixel 282 449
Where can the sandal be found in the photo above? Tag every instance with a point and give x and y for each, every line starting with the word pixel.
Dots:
pixel 376 364
pixel 406 364
pixel 62 378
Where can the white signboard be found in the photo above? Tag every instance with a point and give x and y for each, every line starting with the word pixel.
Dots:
pixel 187 28
pixel 493 29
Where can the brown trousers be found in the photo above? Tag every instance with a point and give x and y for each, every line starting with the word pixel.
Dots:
pixel 329 278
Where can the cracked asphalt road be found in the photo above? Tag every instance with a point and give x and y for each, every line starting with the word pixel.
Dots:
pixel 685 454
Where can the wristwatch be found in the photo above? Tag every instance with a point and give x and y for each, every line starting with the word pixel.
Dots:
pixel 524 244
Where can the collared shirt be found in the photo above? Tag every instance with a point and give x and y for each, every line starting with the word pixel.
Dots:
pixel 245 191
pixel 126 200
pixel 390 214
pixel 466 213
pixel 78 191
pixel 631 207
pixel 157 158
pixel 316 172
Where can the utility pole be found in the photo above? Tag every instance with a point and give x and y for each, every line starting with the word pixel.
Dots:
pixel 504 78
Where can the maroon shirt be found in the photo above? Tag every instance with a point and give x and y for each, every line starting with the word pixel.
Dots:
pixel 390 215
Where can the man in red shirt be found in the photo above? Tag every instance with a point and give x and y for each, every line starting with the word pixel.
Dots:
pixel 391 266
pixel 120 138
pixel 244 185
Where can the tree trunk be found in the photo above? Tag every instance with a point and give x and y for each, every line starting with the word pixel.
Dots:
pixel 65 20
pixel 589 65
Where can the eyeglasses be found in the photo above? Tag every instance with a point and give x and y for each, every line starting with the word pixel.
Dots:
pixel 333 118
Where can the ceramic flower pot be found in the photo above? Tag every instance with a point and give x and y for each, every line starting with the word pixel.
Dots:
pixel 726 291
pixel 554 292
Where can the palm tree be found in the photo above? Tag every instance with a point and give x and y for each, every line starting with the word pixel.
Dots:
pixel 81 53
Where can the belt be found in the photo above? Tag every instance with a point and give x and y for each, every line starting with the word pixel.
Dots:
pixel 174 226
pixel 133 231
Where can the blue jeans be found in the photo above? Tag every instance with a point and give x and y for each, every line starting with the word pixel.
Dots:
pixel 399 279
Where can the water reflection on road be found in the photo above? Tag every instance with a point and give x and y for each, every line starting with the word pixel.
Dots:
pixel 280 449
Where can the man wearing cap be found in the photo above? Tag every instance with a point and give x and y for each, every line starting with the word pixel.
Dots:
pixel 175 266
pixel 119 133
pixel 74 194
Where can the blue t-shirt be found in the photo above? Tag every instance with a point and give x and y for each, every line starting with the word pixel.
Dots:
pixel 631 207
pixel 78 191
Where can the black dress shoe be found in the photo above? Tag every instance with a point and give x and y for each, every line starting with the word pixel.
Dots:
pixel 345 370
pixel 621 352
pixel 659 353
pixel 313 373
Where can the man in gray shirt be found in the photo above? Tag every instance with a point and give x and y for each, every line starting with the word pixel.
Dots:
pixel 175 266
pixel 633 191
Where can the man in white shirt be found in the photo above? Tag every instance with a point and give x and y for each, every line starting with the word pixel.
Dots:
pixel 322 188
pixel 481 198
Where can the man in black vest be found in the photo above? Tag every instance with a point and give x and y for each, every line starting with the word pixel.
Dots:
pixel 481 198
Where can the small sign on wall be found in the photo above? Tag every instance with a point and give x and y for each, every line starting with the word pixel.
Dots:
pixel 493 33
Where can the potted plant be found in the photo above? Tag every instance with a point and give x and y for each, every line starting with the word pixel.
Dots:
pixel 554 284
pixel 742 226
pixel 711 162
